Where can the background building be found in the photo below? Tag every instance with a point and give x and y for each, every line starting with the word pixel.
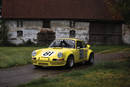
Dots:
pixel 94 21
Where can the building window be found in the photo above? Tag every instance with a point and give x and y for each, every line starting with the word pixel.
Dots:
pixel 19 33
pixel 19 23
pixel 46 24
pixel 72 24
pixel 72 33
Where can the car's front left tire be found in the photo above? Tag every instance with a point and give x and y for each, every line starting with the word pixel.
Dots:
pixel 70 62
pixel 36 66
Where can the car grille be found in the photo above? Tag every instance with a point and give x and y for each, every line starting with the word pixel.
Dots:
pixel 57 63
pixel 43 64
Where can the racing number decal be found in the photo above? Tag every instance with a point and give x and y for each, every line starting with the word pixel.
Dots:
pixel 85 53
pixel 48 53
pixel 81 52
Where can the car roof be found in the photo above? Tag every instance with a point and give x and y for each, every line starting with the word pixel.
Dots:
pixel 75 39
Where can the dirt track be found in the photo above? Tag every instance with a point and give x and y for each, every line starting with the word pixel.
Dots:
pixel 12 77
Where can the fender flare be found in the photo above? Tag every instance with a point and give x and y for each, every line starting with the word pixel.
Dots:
pixel 68 56
pixel 89 53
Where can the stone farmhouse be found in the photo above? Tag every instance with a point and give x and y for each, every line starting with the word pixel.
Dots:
pixel 94 21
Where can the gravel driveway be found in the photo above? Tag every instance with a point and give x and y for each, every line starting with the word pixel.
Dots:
pixel 14 76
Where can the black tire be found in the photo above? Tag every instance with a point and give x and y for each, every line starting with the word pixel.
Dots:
pixel 91 59
pixel 37 67
pixel 70 62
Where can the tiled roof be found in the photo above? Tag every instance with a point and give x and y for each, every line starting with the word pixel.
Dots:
pixel 60 9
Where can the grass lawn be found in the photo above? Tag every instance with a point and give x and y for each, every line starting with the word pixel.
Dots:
pixel 110 48
pixel 109 74
pixel 13 56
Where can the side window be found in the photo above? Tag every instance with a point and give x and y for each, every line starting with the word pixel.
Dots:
pixel 79 44
pixel 84 45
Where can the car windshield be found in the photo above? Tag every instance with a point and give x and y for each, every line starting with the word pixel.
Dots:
pixel 63 43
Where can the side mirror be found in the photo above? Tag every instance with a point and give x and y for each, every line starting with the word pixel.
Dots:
pixel 88 46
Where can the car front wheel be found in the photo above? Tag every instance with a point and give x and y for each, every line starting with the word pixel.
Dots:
pixel 37 67
pixel 70 62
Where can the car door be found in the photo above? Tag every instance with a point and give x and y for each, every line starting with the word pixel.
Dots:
pixel 81 51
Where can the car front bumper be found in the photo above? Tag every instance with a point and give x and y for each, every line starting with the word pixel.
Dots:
pixel 48 62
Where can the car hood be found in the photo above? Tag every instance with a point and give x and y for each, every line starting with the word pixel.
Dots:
pixel 49 52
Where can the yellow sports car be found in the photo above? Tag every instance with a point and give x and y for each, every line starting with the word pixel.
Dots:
pixel 63 52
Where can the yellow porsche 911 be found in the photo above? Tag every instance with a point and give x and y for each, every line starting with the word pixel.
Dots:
pixel 63 52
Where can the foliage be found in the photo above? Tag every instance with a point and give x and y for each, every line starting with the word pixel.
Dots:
pixel 124 6
pixel 28 43
pixel 3 32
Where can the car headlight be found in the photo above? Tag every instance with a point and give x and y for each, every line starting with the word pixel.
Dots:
pixel 60 55
pixel 34 53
